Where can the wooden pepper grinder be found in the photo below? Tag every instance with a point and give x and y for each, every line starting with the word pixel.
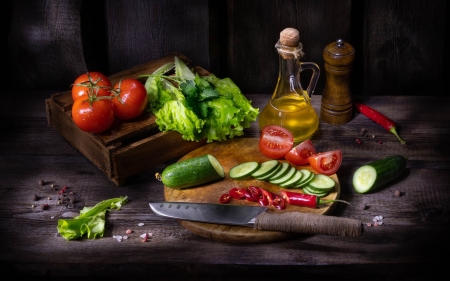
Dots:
pixel 336 106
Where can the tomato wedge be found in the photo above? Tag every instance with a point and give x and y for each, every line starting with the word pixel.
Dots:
pixel 326 163
pixel 300 153
pixel 275 141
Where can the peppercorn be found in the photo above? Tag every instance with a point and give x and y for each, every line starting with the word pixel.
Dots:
pixel 41 182
pixel 35 197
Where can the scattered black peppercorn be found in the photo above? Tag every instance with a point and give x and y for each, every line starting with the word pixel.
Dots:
pixel 41 182
pixel 35 197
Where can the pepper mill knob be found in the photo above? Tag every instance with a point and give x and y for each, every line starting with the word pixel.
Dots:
pixel 336 106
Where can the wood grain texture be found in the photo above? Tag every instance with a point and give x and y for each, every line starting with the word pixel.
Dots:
pixel 231 153
pixel 146 30
pixel 31 150
pixel 45 48
pixel 404 47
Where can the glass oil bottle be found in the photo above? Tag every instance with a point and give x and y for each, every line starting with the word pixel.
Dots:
pixel 290 105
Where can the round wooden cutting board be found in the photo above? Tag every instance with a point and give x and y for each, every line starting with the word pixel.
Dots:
pixel 231 153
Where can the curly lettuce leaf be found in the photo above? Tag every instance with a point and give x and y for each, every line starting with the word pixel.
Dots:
pixel 223 120
pixel 91 221
pixel 225 87
pixel 199 107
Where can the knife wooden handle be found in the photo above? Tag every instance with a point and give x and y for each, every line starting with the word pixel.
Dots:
pixel 309 224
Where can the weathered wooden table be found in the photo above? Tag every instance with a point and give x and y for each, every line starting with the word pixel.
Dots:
pixel 411 244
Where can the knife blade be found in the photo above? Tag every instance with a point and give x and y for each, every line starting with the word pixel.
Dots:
pixel 258 218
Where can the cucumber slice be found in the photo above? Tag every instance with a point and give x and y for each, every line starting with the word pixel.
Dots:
pixel 322 183
pixel 281 172
pixel 290 183
pixel 286 177
pixel 267 176
pixel 374 175
pixel 307 190
pixel 307 177
pixel 266 168
pixel 244 170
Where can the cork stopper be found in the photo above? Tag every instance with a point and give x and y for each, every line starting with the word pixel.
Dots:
pixel 290 37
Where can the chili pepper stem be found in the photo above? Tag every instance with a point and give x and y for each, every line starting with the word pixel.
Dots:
pixel 392 130
pixel 324 201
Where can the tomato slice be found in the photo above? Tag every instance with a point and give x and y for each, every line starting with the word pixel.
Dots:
pixel 299 154
pixel 275 141
pixel 238 193
pixel 326 163
pixel 225 198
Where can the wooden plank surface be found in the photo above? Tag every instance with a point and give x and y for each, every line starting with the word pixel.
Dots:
pixel 411 244
pixel 231 153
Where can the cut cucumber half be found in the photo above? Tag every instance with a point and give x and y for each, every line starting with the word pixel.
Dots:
pixel 307 177
pixel 244 170
pixel 290 183
pixel 374 175
pixel 281 172
pixel 286 177
pixel 307 190
pixel 322 183
pixel 266 168
pixel 268 175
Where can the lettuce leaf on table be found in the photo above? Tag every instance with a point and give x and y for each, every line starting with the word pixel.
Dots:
pixel 198 107
pixel 91 221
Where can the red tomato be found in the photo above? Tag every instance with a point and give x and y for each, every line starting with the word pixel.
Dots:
pixel 94 83
pixel 300 153
pixel 326 163
pixel 92 115
pixel 275 141
pixel 130 99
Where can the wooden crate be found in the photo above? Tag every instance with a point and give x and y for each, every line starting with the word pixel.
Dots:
pixel 129 147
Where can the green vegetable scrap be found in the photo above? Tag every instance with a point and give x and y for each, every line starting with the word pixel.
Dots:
pixel 91 221
pixel 198 107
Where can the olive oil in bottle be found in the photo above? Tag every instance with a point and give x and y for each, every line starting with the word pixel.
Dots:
pixel 290 105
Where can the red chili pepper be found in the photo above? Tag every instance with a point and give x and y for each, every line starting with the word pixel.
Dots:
pixel 238 192
pixel 305 200
pixel 225 198
pixel 379 118
pixel 300 199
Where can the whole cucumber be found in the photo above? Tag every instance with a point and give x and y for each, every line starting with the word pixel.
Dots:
pixel 192 172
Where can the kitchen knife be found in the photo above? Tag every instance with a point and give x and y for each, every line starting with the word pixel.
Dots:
pixel 258 218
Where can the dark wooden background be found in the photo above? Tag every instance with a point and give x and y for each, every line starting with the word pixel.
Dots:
pixel 402 46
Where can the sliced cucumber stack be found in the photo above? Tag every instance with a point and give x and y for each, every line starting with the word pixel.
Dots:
pixel 294 179
pixel 320 185
pixel 266 168
pixel 286 177
pixel 244 170
pixel 307 177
